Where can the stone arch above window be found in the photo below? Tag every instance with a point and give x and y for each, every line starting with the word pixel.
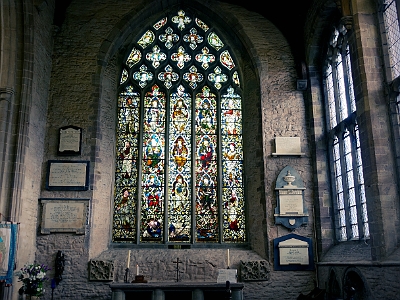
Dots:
pixel 179 164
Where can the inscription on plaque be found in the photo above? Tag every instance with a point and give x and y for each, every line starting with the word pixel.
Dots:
pixel 64 175
pixel 291 202
pixel 293 251
pixel 64 216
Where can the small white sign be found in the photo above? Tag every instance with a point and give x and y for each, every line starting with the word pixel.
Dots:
pixel 225 275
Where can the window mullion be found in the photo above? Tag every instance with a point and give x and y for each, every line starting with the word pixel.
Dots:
pixel 334 186
pixel 360 221
pixel 193 178
pixel 140 171
pixel 336 91
pixel 345 185
pixel 397 3
pixel 166 167
pixel 347 81
pixel 219 172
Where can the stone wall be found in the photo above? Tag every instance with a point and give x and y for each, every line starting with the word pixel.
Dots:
pixel 83 92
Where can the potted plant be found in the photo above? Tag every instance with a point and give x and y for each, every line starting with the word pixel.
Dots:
pixel 33 277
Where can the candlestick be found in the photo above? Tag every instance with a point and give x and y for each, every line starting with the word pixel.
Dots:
pixel 228 259
pixel 137 270
pixel 129 258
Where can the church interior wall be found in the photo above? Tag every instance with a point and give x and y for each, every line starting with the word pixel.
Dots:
pixel 70 76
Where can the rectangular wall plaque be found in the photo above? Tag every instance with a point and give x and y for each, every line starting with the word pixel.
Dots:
pixel 290 202
pixel 287 146
pixel 67 175
pixel 64 215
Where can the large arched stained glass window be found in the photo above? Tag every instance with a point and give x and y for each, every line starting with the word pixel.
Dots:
pixel 179 164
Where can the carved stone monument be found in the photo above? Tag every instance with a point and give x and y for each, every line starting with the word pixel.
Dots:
pixel 101 270
pixel 291 211
pixel 258 270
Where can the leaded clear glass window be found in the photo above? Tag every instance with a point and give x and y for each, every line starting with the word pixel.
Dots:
pixel 344 143
pixel 392 30
pixel 179 159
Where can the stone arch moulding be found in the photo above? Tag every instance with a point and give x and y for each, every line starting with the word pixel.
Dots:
pixel 355 284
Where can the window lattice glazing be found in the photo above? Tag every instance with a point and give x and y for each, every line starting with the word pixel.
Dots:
pixel 391 21
pixel 179 170
pixel 350 203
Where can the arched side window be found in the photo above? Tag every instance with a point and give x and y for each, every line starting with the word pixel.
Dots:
pixel 179 164
pixel 350 208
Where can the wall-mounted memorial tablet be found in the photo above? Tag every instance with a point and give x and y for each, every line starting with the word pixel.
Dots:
pixel 69 140
pixel 291 211
pixel 67 175
pixel 293 252
pixel 285 146
pixel 64 215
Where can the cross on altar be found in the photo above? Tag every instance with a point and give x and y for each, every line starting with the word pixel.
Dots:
pixel 177 262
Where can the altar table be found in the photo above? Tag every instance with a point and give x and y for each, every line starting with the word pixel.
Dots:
pixel 175 290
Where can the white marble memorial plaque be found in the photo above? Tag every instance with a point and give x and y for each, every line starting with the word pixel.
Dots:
pixel 293 251
pixel 291 202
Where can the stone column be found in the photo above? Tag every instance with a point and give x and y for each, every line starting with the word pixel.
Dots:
pixel 6 95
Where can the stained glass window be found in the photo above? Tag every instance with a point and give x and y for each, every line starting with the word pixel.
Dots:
pixel 350 205
pixel 179 158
